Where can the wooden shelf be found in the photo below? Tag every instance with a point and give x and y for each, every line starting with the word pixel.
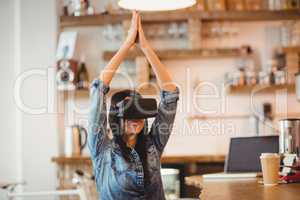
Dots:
pixel 218 117
pixel 143 91
pixel 193 159
pixel 291 49
pixel 182 53
pixel 260 88
pixel 84 93
pixel 239 116
pixel 78 160
pixel 264 15
pixel 103 19
pixel 85 160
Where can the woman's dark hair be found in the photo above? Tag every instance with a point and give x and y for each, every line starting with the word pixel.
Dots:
pixel 117 127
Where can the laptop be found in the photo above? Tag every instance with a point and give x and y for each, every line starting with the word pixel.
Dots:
pixel 243 159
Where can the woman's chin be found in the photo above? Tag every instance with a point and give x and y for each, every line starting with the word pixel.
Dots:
pixel 131 135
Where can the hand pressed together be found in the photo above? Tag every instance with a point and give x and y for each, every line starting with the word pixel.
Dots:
pixel 143 43
pixel 133 30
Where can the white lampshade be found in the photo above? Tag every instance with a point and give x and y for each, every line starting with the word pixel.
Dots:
pixel 155 5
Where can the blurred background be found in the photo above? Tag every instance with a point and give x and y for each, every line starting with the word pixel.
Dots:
pixel 235 62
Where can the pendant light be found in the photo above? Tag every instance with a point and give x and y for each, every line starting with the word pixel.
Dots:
pixel 155 5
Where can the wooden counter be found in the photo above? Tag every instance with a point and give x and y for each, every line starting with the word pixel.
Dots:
pixel 243 189
pixel 61 160
pixel 188 165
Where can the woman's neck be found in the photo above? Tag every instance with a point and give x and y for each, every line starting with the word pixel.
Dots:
pixel 130 140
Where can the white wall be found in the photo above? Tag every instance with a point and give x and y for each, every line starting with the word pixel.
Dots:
pixel 8 143
pixel 39 132
pixel 28 140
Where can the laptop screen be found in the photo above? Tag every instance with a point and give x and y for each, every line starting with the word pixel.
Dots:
pixel 244 152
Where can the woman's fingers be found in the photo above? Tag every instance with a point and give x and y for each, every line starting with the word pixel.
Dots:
pixel 138 22
pixel 133 30
pixel 140 28
pixel 138 16
pixel 137 28
pixel 134 14
pixel 142 38
pixel 141 31
pixel 134 21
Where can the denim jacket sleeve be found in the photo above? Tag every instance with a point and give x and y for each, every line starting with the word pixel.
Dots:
pixel 97 118
pixel 163 122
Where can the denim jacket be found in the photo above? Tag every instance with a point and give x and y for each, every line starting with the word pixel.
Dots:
pixel 117 178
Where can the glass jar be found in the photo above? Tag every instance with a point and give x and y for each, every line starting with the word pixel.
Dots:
pixel 213 5
pixel 263 78
pixel 235 79
pixel 239 78
pixel 254 4
pixel 171 183
pixel 229 79
pixel 236 5
pixel 280 77
pixel 251 78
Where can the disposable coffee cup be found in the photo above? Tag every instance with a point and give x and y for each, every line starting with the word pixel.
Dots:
pixel 270 164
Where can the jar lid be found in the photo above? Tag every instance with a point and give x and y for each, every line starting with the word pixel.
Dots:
pixel 269 155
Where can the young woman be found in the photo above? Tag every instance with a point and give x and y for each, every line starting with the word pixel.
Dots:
pixel 127 165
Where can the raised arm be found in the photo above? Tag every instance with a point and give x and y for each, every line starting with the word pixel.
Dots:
pixel 97 119
pixel 109 71
pixel 164 78
pixel 163 123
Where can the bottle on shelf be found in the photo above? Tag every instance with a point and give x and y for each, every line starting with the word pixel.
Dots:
pixel 272 70
pixel 294 4
pixel 65 8
pixel 290 4
pixel 242 79
pixel 82 77
pixel 237 78
pixel 90 8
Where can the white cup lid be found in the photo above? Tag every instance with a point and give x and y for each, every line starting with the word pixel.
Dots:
pixel 269 155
